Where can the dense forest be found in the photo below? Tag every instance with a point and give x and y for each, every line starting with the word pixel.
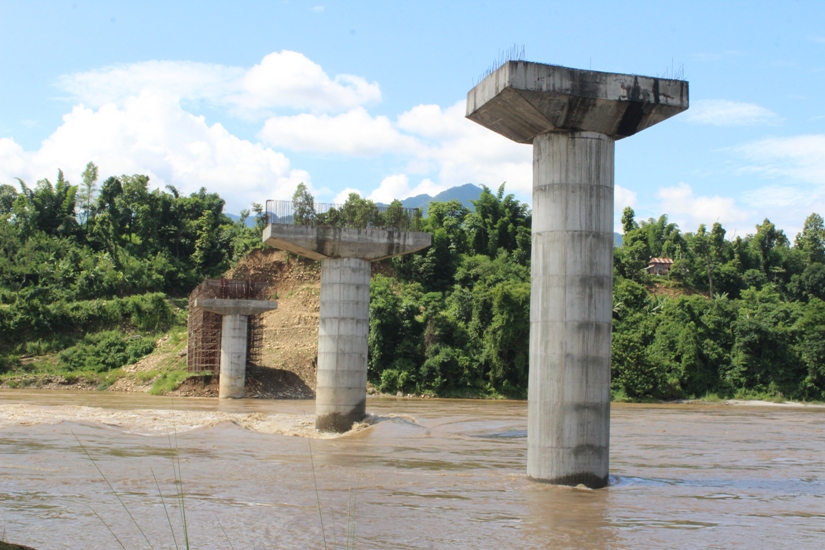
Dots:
pixel 88 270
pixel 93 272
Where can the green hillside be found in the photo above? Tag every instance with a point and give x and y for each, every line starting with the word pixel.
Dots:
pixel 95 279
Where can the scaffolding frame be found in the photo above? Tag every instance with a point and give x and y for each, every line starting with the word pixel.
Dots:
pixel 203 351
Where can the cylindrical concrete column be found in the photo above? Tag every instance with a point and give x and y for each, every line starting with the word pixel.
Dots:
pixel 233 357
pixel 568 423
pixel 341 392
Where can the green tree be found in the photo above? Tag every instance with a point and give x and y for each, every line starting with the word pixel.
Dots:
pixel 7 197
pixel 709 249
pixel 86 193
pixel 811 241
pixel 303 206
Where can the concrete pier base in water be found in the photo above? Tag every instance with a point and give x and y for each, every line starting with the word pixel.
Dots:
pixel 572 118
pixel 342 343
pixel 345 255
pixel 234 341
pixel 571 309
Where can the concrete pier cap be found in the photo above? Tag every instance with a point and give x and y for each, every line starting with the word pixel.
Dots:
pixel 573 118
pixel 345 254
pixel 234 339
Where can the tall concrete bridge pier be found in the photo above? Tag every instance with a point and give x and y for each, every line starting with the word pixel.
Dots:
pixel 345 255
pixel 573 118
pixel 234 339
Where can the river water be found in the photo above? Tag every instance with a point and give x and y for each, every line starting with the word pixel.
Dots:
pixel 419 474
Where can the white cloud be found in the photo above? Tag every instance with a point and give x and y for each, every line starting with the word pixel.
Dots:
pixel 290 79
pixel 721 112
pixel 786 205
pixel 623 197
pixel 283 79
pixel 798 157
pixel 136 118
pixel 465 152
pixel 392 187
pixel 427 187
pixel 317 9
pixel 152 135
pixel 12 161
pixel 355 133
pixel 174 79
pixel 432 138
pixel 343 195
pixel 689 211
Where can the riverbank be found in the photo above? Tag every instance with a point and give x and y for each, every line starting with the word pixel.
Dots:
pixel 276 384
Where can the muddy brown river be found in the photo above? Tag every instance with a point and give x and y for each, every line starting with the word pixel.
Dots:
pixel 418 474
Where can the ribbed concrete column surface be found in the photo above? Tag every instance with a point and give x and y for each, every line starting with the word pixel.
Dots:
pixel 572 117
pixel 568 431
pixel 233 357
pixel 341 392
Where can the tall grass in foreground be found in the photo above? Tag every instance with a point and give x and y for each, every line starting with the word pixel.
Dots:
pixel 352 501
pixel 177 476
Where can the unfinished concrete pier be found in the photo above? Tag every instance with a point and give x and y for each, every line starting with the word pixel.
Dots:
pixel 234 339
pixel 573 118
pixel 345 255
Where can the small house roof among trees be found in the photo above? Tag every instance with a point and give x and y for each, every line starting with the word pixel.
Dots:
pixel 659 266
pixel 659 261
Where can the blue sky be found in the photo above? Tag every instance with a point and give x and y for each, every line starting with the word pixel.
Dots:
pixel 250 98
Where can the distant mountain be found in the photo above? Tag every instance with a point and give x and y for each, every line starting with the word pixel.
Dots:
pixel 464 193
pixel 250 221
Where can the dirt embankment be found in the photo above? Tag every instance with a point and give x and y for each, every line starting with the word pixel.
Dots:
pixel 286 366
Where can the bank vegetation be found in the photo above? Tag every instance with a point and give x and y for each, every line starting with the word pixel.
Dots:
pixel 93 277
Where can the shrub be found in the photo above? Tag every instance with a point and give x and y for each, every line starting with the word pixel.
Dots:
pixel 105 351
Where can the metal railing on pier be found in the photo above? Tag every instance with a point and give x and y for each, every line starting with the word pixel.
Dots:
pixel 362 215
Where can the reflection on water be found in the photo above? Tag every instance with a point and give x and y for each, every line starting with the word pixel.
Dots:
pixel 417 474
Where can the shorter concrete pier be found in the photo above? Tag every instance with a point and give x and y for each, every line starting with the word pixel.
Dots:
pixel 234 339
pixel 345 255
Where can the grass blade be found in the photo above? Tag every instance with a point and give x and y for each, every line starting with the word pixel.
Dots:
pixel 179 482
pixel 353 515
pixel 101 521
pixel 165 510
pixel 317 496
pixel 224 533
pixel 114 492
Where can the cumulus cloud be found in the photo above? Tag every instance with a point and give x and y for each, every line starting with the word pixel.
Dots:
pixel 397 186
pixel 786 205
pixel 344 194
pixel 138 118
pixel 623 198
pixel 433 140
pixel 689 210
pixel 290 79
pixel 283 79
pixel 355 133
pixel 721 112
pixel 151 134
pixel 797 157
pixel 465 152
pixel 392 187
